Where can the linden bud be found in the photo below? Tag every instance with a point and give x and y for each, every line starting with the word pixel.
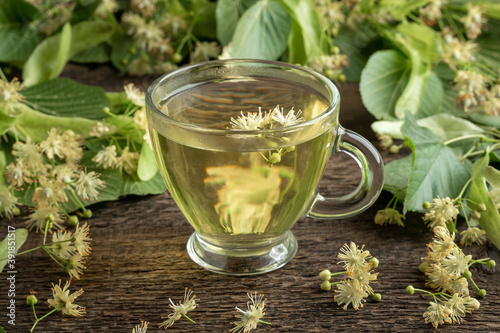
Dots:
pixel 481 292
pixel 275 158
pixel 326 286
pixel 73 220
pixel 341 78
pixel 481 207
pixel 31 299
pixel 87 213
pixel 325 275
pixel 377 297
pixel 467 275
pixel 423 266
pixel 410 290
pixel 176 58
pixel 374 261
pixel 491 263
pixel 106 110
pixel 475 215
pixel 132 50
pixel 70 265
pixel 394 149
pixel 426 205
pixel 334 50
pixel 16 211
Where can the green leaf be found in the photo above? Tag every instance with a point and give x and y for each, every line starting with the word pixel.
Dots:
pixel 67 98
pixel 397 175
pixel 205 19
pixel 432 97
pixel 34 124
pixel 490 219
pixel 399 9
pixel 3 164
pixel 120 55
pixel 262 32
pixel 88 34
pixel 354 44
pixel 227 13
pixel 49 58
pixel 10 245
pixel 436 171
pixel 382 82
pixel 444 126
pixel 18 35
pixel 147 167
pixel 423 40
pixel 492 176
pixel 305 41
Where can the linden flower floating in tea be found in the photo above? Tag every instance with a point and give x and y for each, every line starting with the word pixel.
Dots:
pixel 356 287
pixel 249 319
pixel 447 271
pixel 266 120
pixel 181 309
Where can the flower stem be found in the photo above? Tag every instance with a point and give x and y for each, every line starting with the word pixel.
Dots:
pixel 191 320
pixel 47 314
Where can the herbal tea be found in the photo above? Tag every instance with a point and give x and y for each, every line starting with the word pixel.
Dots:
pixel 252 184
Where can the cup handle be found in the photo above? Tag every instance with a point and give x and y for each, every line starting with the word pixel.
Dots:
pixel 372 180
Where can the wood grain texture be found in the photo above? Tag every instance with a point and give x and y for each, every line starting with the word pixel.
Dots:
pixel 139 261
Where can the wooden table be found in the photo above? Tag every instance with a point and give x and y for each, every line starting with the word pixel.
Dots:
pixel 139 261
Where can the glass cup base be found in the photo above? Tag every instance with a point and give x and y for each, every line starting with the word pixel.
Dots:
pixel 242 261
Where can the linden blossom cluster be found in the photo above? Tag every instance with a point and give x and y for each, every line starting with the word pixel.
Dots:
pixel 51 168
pixel 359 273
pixel 447 271
pixel 248 320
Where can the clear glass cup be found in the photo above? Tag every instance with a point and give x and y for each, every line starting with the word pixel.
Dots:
pixel 242 145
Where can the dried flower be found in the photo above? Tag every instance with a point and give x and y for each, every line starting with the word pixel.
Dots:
pixel 63 301
pixel 181 309
pixel 249 319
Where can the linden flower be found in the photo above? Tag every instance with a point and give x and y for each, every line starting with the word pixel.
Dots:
pixel 459 287
pixel 10 96
pixel 49 192
pixel 134 95
pixel 8 202
pixel 246 198
pixel 473 235
pixel 107 7
pixel 389 216
pixel 140 118
pixel 456 304
pixel 53 145
pixel 250 122
pixel 290 119
pixel 87 185
pixel 29 154
pixel 352 257
pixel 63 246
pixel 99 130
pixel 442 243
pixel 249 319
pixel 456 263
pixel 128 161
pixel 437 314
pixel 350 292
pixel 82 240
pixel 17 175
pixel 106 157
pixel 181 309
pixel 75 266
pixel 437 277
pixel 63 301
pixel 474 20
pixel 441 212
pixel 364 276
pixel 141 328
pixel 39 218
pixel 204 51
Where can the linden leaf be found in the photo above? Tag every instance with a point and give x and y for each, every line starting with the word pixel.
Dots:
pixel 436 171
pixel 10 245
pixel 478 192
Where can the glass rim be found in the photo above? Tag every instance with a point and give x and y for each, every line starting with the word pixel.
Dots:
pixel 214 63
